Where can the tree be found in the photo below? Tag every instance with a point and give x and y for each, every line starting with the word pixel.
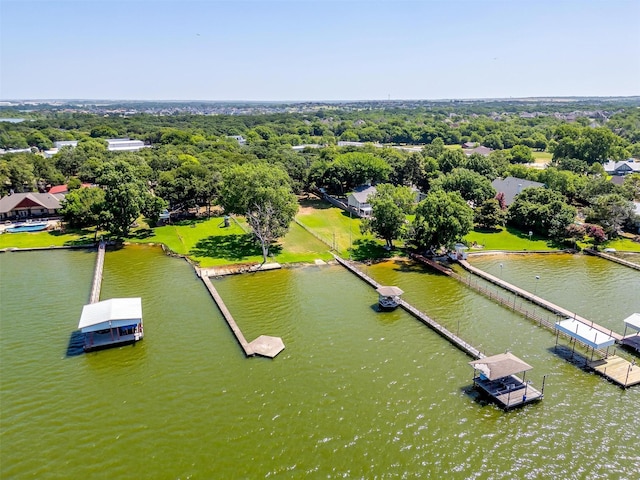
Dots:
pixel 472 186
pixel 451 159
pixel 541 210
pixel 520 154
pixel 390 205
pixel 262 193
pixel 82 207
pixel 441 219
pixel 124 196
pixel 489 214
pixel 611 212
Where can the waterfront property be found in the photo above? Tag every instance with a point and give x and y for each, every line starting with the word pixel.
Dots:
pixel 111 322
pixel 498 379
pixel 29 204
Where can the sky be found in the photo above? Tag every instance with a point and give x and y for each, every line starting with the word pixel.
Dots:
pixel 315 50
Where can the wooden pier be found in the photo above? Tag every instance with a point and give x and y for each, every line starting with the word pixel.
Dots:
pixel 555 309
pixel 264 345
pixel 507 399
pixel 94 296
pixel 612 258
pixel 618 370
pixel 454 339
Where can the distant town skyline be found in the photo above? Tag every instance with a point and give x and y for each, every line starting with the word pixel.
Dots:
pixel 317 50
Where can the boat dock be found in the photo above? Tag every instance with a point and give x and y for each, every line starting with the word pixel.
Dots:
pixel 264 345
pixel 613 258
pixel 457 341
pixel 555 309
pixel 618 370
pixel 506 399
pixel 94 296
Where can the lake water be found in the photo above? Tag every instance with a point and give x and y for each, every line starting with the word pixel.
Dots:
pixel 355 394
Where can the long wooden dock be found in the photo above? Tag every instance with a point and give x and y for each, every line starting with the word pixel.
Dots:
pixel 94 296
pixel 612 258
pixel 547 305
pixel 454 339
pixel 616 369
pixel 508 398
pixel 264 345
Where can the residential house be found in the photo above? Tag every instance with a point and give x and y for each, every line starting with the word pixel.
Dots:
pixel 358 200
pixel 622 168
pixel 481 150
pixel 512 186
pixel 29 205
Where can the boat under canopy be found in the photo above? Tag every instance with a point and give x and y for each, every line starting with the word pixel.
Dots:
pixel 498 379
pixel 388 298
pixel 586 334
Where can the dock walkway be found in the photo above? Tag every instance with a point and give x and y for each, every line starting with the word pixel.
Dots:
pixel 506 398
pixel 264 345
pixel 457 341
pixel 94 296
pixel 612 258
pixel 555 309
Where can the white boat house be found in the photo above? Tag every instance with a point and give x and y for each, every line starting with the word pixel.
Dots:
pixel 111 322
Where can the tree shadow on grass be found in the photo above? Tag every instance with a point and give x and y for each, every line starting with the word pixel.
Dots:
pixel 314 203
pixel 369 249
pixel 231 247
pixel 142 233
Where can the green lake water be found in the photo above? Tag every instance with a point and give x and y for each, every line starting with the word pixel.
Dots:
pixel 355 394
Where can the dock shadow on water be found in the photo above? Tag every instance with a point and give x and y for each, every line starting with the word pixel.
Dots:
pixel 574 357
pixel 76 344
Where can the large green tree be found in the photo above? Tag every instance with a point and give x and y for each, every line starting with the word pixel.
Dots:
pixel 83 207
pixel 125 196
pixel 390 205
pixel 442 218
pixel 611 212
pixel 543 211
pixel 262 193
pixel 472 186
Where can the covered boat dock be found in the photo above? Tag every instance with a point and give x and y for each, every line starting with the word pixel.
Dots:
pixel 633 340
pixel 111 322
pixel 388 297
pixel 612 367
pixel 497 378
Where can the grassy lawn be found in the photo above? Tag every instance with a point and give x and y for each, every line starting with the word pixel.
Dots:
pixel 542 157
pixel 331 224
pixel 45 239
pixel 211 244
pixel 509 239
pixel 622 245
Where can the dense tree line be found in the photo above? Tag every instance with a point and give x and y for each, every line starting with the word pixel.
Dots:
pixel 193 162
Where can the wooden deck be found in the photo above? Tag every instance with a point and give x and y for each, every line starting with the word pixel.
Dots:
pixel 618 370
pixel 509 392
pixel 264 345
pixel 94 296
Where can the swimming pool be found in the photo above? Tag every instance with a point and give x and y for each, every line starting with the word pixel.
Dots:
pixel 30 227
